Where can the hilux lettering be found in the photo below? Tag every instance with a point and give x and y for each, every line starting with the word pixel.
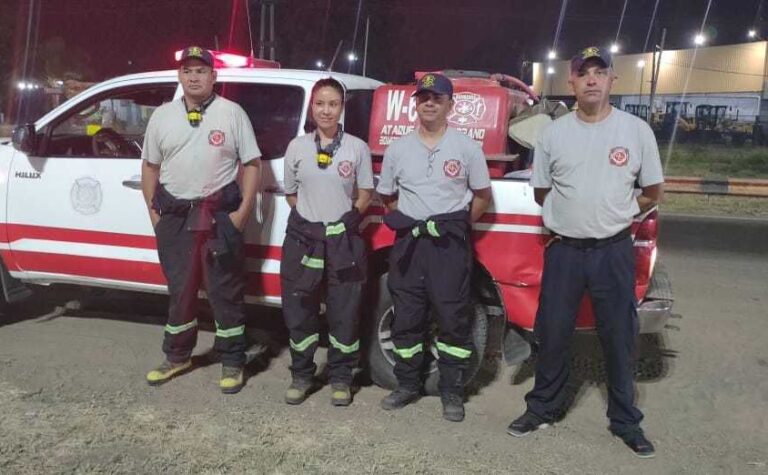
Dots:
pixel 30 175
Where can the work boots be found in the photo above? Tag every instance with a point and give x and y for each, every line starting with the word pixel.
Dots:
pixel 453 407
pixel 166 371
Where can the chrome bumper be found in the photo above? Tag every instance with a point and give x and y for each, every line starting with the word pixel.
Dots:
pixel 652 315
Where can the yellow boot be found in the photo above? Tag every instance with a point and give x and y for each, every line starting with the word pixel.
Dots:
pixel 166 371
pixel 231 379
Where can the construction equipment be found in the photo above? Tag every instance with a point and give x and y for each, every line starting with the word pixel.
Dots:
pixel 639 110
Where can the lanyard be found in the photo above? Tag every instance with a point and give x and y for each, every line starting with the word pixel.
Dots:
pixel 195 115
pixel 325 154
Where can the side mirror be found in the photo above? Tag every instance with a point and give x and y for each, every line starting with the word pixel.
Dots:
pixel 24 138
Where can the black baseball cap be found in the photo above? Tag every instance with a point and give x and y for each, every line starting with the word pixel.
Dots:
pixel 592 52
pixel 436 83
pixel 198 53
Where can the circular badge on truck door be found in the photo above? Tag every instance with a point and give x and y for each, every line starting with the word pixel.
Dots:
pixel 86 195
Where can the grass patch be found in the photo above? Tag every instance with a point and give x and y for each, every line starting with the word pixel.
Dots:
pixel 715 205
pixel 715 161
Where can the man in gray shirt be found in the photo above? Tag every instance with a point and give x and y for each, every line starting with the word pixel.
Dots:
pixel 585 167
pixel 435 182
pixel 192 152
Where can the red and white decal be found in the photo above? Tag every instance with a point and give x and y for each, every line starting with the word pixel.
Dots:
pixel 216 138
pixel 345 168
pixel 619 156
pixel 468 108
pixel 452 168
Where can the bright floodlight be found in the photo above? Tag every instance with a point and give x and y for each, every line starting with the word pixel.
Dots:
pixel 641 63
pixel 550 70
pixel 352 57
pixel 699 39
pixel 552 55
pixel 319 64
pixel 614 48
pixel 752 33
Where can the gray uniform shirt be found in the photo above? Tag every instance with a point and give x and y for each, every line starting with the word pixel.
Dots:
pixel 437 181
pixel 197 161
pixel 591 169
pixel 324 195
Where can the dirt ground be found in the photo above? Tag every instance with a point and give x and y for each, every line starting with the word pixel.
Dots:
pixel 73 398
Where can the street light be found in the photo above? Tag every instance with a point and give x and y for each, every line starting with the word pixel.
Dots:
pixel 352 57
pixel 552 55
pixel 614 48
pixel 641 63
pixel 752 33
pixel 550 70
pixel 319 63
pixel 699 39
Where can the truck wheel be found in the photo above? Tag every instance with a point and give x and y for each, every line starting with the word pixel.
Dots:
pixel 381 358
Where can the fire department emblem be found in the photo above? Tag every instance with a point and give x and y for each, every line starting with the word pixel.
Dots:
pixel 195 51
pixel 468 108
pixel 216 138
pixel 590 52
pixel 86 196
pixel 619 156
pixel 452 168
pixel 345 169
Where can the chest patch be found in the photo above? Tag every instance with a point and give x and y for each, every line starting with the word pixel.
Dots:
pixel 345 168
pixel 216 138
pixel 452 168
pixel 619 156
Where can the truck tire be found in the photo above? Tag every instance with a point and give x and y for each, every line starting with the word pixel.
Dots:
pixel 379 349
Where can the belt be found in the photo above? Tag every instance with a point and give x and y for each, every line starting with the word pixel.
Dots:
pixel 587 243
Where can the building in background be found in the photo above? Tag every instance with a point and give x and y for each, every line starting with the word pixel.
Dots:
pixel 712 83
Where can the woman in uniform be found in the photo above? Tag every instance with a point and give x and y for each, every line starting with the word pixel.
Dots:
pixel 328 184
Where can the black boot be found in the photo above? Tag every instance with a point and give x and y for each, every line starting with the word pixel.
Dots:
pixel 399 398
pixel 453 407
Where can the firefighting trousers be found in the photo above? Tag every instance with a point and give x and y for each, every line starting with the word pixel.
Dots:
pixel 214 259
pixel 301 311
pixel 608 274
pixel 436 280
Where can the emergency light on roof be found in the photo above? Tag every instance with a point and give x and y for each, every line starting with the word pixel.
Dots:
pixel 231 60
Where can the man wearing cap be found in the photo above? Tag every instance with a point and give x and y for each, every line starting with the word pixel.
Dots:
pixel 435 183
pixel 192 153
pixel 585 167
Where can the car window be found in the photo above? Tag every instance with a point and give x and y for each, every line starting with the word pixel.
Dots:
pixel 357 112
pixel 274 110
pixel 108 125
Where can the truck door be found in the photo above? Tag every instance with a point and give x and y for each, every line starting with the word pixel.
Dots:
pixel 276 111
pixel 75 207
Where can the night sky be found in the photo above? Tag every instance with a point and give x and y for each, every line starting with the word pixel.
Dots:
pixel 104 38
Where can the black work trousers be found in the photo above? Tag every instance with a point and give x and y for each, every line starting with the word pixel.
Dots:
pixel 607 272
pixel 216 259
pixel 301 312
pixel 436 279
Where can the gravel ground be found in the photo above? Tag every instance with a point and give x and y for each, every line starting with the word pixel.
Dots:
pixel 73 399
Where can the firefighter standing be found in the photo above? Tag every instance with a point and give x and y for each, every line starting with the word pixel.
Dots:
pixel 435 182
pixel 584 170
pixel 191 153
pixel 328 184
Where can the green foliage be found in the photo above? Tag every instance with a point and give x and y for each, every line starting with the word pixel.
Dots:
pixel 716 161
pixel 714 205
